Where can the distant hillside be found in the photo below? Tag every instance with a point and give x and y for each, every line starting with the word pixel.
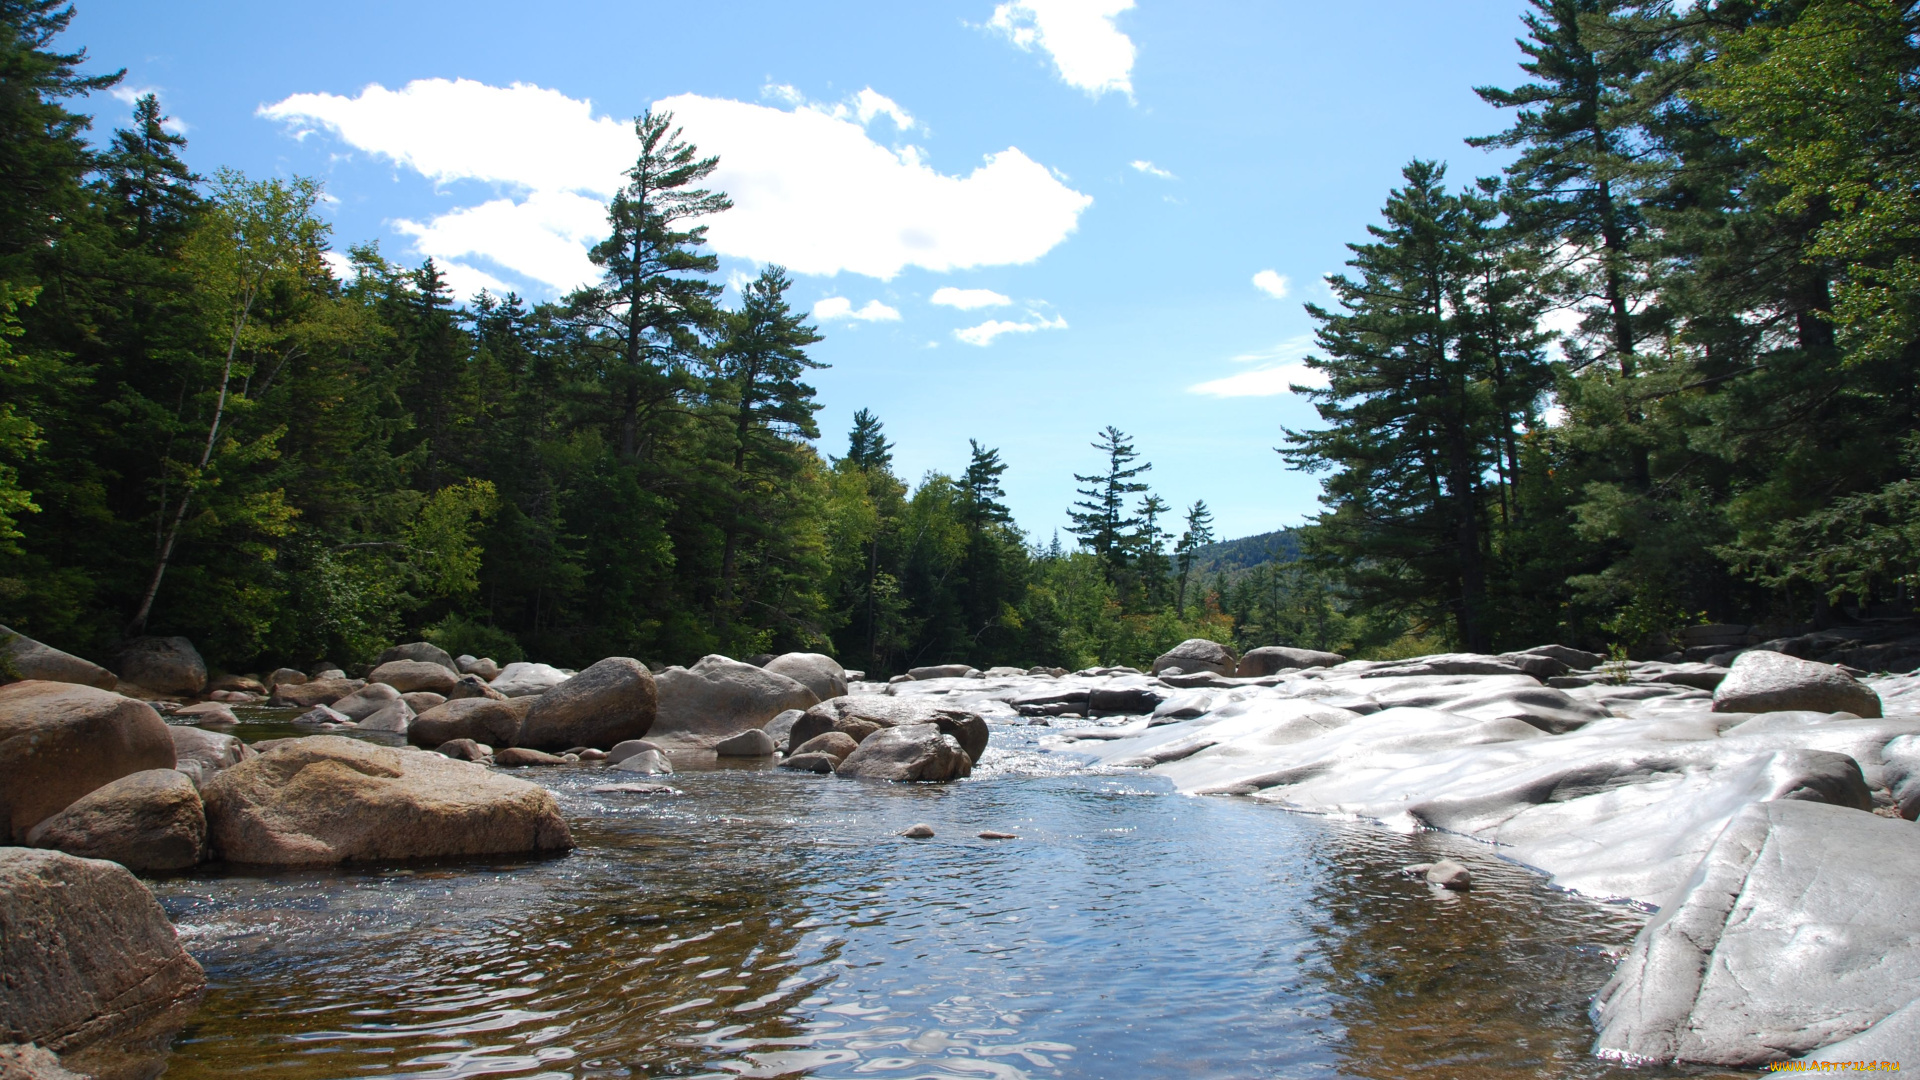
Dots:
pixel 1235 557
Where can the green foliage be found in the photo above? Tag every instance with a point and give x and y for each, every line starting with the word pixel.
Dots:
pixel 461 636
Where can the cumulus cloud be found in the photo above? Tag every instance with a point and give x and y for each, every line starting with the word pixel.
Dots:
pixel 1153 170
pixel 984 334
pixel 1261 382
pixel 812 189
pixel 1274 285
pixel 968 299
pixel 1088 50
pixel 839 307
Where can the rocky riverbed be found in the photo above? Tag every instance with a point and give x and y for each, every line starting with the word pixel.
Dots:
pixel 1760 813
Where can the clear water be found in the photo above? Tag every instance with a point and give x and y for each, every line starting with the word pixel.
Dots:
pixel 771 924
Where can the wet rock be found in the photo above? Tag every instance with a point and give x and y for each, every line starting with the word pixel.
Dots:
pixel 199 754
pixel 819 673
pixel 611 701
pixel 209 712
pixel 992 835
pixel 781 726
pixel 646 762
pixel 1458 664
pixel 1795 932
pixel 898 679
pixel 1198 654
pixel 1122 701
pixel 314 692
pixel 166 665
pixel 366 701
pixel 394 719
pixel 922 831
pixel 424 652
pixel 1761 681
pixel 913 752
pixel 625 749
pixel 752 742
pixel 522 679
pixel 716 697
pixel 1003 672
pixel 287 676
pixel 813 763
pixel 21 657
pixel 1448 875
pixel 472 686
pixel 31 1062
pixel 860 715
pixel 326 799
pixel 635 789
pixel 519 757
pixel 245 684
pixel 148 820
pixel 1273 659
pixel 494 722
pixel 60 740
pixel 86 954
pixel 478 666
pixel 836 744
pixel 321 716
pixel 407 676
pixel 941 671
pixel 466 750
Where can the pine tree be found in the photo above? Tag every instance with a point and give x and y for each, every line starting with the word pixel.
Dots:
pixel 981 486
pixel 1198 534
pixel 867 447
pixel 1099 517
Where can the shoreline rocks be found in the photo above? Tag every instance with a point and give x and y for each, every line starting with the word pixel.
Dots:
pixel 150 820
pixel 59 741
pixel 608 703
pixel 21 657
pixel 717 697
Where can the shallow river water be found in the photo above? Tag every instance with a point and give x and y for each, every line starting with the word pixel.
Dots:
pixel 764 923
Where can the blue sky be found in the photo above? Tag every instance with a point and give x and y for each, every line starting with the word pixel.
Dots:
pixel 1018 222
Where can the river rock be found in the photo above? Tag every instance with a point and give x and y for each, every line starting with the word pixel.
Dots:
pixel 198 754
pixel 326 799
pixel 781 726
pixel 410 675
pixel 911 752
pixel 218 713
pixel 21 657
pixel 702 704
pixel 821 674
pixel 1795 931
pixel 1762 681
pixel 752 742
pixel 1456 664
pixel 811 762
pixel 392 719
pixel 286 675
pixel 1003 671
pixel 496 723
pixel 148 820
pixel 314 692
pixel 613 700
pixel 1449 875
pixel 522 679
pixel 366 701
pixel 421 700
pixel 859 715
pixel 626 748
pixel 480 667
pixel 240 684
pixel 321 716
pixel 33 1062
pixel 646 762
pixel 472 686
pixel 86 954
pixel 1273 659
pixel 836 744
pixel 60 740
pixel 940 671
pixel 519 757
pixel 423 651
pixel 466 750
pixel 165 665
pixel 1198 654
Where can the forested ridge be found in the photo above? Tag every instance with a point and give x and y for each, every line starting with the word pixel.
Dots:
pixel 208 431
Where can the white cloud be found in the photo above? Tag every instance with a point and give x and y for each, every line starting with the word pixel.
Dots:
pixel 341 266
pixel 1261 382
pixel 1089 51
pixel 968 299
pixel 811 188
pixel 984 334
pixel 839 307
pixel 1274 285
pixel 1153 170
pixel 130 96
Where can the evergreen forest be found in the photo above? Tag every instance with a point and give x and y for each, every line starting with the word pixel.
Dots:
pixel 1657 371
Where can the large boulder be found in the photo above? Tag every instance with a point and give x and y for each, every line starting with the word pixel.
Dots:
pixel 410 675
pixel 165 665
pixel 522 679
pixel 148 820
pixel 611 701
pixel 1273 659
pixel 1762 681
pixel 705 703
pixel 909 752
pixel 59 741
pixel 21 657
pixel 473 686
pixel 313 692
pixel 860 715
pixel 424 651
pixel 819 673
pixel 1797 930
pixel 394 718
pixel 484 720
pixel 366 701
pixel 86 954
pixel 1198 654
pixel 199 753
pixel 941 671
pixel 480 667
pixel 327 799
pixel 752 742
pixel 780 726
